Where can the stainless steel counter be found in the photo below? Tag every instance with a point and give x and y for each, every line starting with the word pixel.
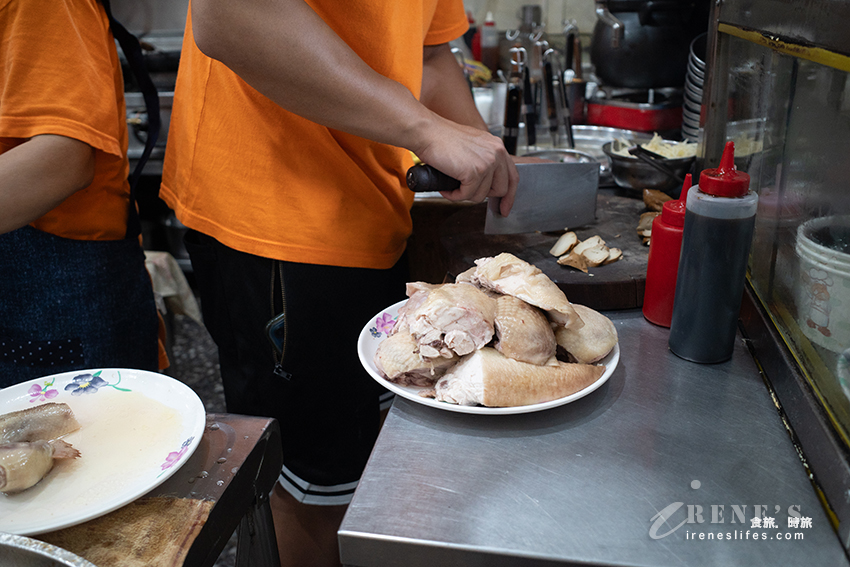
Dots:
pixel 703 445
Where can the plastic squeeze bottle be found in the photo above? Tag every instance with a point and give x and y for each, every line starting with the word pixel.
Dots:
pixel 665 245
pixel 490 44
pixel 719 223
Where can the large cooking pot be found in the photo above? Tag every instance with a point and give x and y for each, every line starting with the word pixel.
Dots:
pixel 644 44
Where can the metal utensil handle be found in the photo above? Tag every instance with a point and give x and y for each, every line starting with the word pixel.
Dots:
pixel 513 109
pixel 577 57
pixel 422 178
pixel 570 32
pixel 552 102
pixel 646 156
pixel 638 149
pixel 529 110
pixel 565 108
pixel 513 99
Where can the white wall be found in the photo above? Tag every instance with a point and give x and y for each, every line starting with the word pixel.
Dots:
pixel 506 13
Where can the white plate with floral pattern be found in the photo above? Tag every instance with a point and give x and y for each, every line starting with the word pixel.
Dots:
pixel 137 429
pixel 376 330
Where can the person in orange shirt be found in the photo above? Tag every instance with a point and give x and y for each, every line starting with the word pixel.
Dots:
pixel 74 292
pixel 290 137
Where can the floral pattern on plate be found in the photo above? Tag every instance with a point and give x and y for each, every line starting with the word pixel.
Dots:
pixel 90 383
pixel 383 325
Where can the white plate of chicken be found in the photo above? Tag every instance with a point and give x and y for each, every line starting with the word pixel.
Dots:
pixel 501 339
pixel 78 445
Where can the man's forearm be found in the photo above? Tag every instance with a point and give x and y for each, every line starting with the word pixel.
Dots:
pixel 445 89
pixel 287 52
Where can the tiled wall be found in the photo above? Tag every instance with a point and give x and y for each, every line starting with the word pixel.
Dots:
pixel 506 13
pixel 170 15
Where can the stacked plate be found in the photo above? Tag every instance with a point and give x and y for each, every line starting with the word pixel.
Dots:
pixel 694 80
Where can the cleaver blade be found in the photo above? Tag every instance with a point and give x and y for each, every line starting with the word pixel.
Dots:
pixel 550 197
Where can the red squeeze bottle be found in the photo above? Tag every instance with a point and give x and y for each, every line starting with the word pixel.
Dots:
pixel 665 246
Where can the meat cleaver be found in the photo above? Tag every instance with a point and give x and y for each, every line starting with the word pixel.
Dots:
pixel 550 196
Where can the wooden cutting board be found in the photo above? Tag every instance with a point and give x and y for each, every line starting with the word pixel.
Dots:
pixel 616 286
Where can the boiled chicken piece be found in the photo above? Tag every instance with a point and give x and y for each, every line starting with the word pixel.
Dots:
pixel 510 275
pixel 523 332
pixel 467 277
pixel 397 358
pixel 417 293
pixel 413 287
pixel 44 421
pixel 593 341
pixel 452 319
pixel 488 378
pixel 24 464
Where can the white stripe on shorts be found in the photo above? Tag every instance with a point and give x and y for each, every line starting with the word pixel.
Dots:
pixel 315 494
pixel 385 400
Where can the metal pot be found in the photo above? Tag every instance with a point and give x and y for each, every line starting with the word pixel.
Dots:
pixel 645 43
pixel 631 173
pixel 23 551
pixel 562 155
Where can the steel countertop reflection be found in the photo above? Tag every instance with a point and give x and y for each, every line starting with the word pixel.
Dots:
pixel 584 483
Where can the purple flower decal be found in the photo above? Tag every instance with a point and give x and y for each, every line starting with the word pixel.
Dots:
pixel 385 323
pixel 174 457
pixel 39 394
pixel 89 384
pixel 86 384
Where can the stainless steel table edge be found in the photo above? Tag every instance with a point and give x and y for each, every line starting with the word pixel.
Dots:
pixel 583 484
pixel 394 551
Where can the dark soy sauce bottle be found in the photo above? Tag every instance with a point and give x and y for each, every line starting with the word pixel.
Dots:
pixel 719 222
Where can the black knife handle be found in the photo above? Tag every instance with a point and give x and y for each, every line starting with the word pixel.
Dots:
pixel 422 178
pixel 552 102
pixel 529 110
pixel 513 109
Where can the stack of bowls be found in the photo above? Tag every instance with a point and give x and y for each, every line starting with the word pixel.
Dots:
pixel 694 79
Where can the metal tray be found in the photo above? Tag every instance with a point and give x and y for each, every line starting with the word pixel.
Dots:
pixel 22 551
pixel 589 140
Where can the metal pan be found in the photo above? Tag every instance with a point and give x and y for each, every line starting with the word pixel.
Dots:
pixel 22 551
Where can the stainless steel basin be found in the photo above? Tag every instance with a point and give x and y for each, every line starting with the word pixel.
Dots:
pixel 21 551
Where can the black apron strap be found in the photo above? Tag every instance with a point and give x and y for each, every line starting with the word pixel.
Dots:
pixel 133 52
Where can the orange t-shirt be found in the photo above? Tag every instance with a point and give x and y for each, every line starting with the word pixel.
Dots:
pixel 60 74
pixel 267 182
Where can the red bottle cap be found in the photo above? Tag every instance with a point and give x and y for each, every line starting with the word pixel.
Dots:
pixel 725 181
pixel 673 211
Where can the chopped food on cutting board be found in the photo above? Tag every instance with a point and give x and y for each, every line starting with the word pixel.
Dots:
pixel 584 254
